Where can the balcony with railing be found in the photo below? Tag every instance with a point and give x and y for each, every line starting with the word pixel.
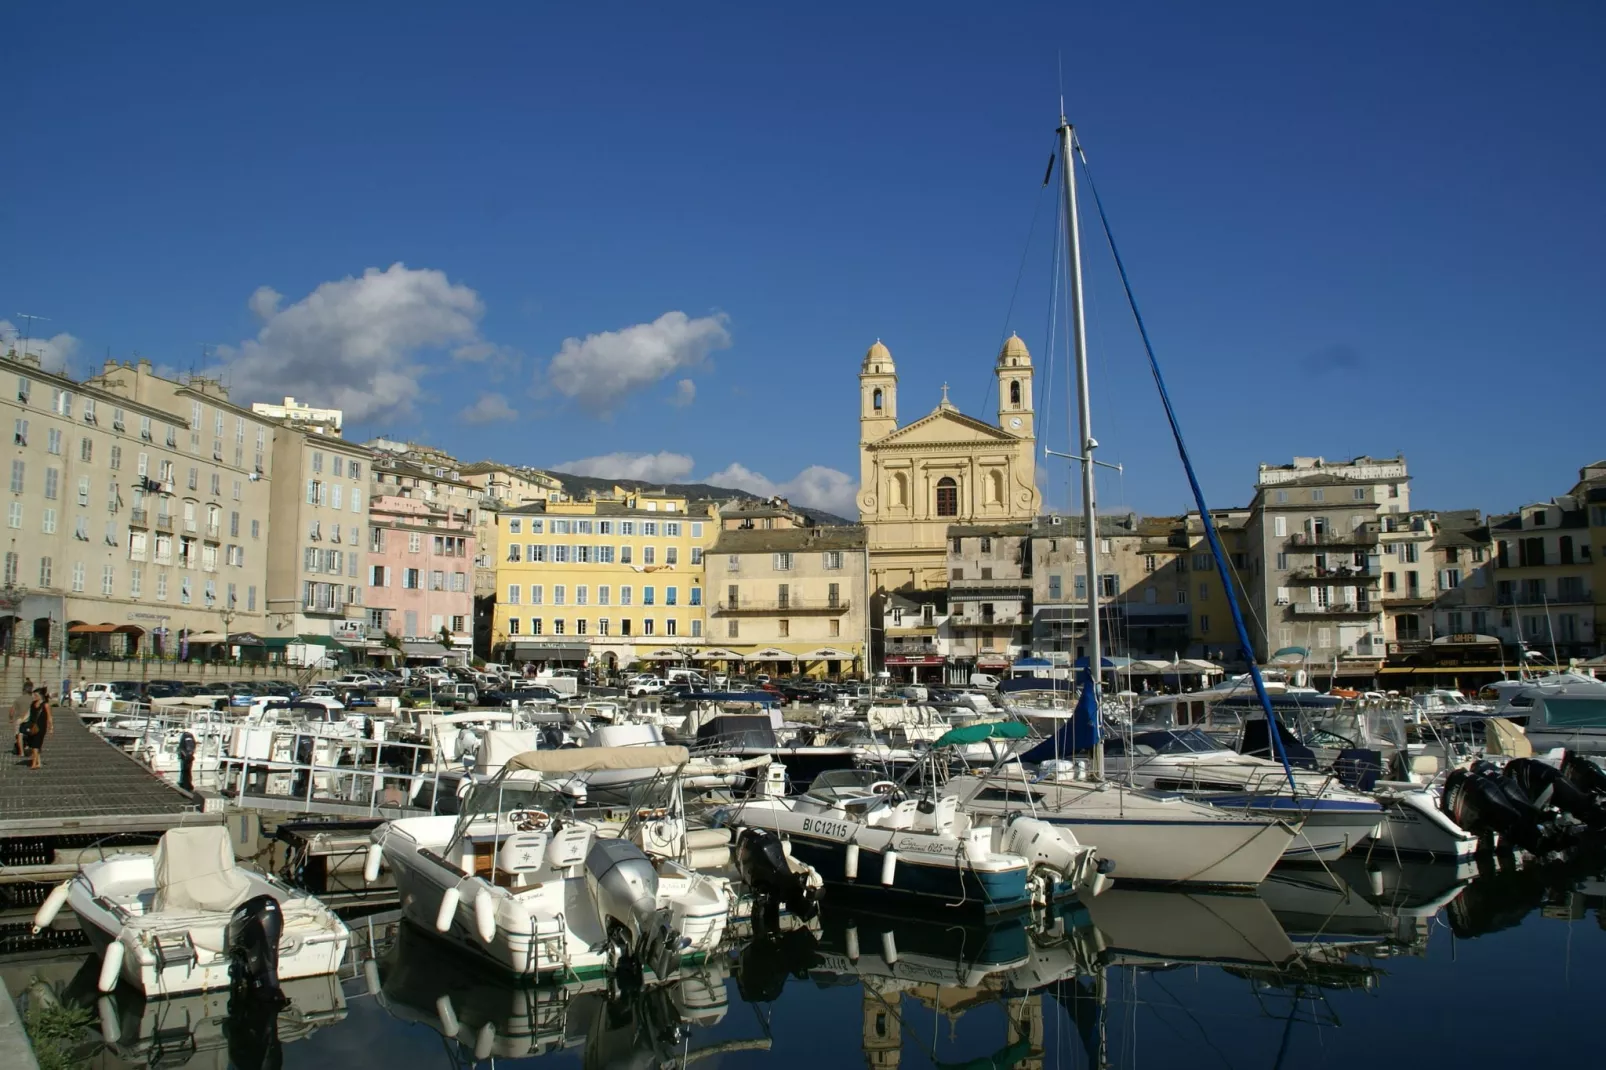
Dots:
pixel 796 605
pixel 1341 574
pixel 164 521
pixel 138 518
pixel 1409 598
pixel 1334 609
pixel 213 531
pixel 977 585
pixel 1361 536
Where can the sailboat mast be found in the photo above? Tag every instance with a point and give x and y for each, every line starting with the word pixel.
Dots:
pixel 1084 413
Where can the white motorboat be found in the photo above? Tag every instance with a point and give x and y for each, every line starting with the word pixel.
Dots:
pixel 1565 709
pixel 526 880
pixel 1150 838
pixel 188 917
pixel 1332 819
pixel 869 834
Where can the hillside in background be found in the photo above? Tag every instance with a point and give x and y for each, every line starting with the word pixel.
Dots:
pixel 580 486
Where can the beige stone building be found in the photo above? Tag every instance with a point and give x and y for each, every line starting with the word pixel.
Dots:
pixel 989 596
pixel 138 511
pixel 941 469
pixel 1314 527
pixel 1544 570
pixel 317 559
pixel 791 596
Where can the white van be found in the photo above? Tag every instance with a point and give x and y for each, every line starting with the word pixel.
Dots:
pixel 984 681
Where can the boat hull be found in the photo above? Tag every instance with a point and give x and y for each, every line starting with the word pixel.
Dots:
pixel 309 947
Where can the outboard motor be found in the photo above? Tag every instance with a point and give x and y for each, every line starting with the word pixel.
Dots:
pixel 186 761
pixel 1546 785
pixel 1483 803
pixel 775 879
pixel 1585 772
pixel 624 886
pixel 255 929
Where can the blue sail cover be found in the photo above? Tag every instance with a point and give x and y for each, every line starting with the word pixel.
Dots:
pixel 1080 733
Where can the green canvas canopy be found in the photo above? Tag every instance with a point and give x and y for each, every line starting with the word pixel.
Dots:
pixel 977 733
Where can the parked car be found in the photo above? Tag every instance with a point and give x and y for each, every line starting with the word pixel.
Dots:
pixel 642 686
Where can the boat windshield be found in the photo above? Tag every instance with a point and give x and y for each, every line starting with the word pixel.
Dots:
pixel 1179 741
pixel 837 785
pixel 491 797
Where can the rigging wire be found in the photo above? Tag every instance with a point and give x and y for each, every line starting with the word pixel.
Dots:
pixel 1211 534
pixel 1020 273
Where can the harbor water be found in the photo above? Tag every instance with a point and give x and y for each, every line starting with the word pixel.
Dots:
pixel 1324 967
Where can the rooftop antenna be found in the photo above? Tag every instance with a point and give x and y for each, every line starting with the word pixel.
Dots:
pixel 27 330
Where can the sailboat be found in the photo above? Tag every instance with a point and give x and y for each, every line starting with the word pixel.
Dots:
pixel 1149 837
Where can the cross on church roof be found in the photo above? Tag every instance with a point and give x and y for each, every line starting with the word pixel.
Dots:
pixel 945 393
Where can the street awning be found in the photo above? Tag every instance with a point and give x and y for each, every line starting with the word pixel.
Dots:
pixel 717 653
pixel 424 649
pixel 530 650
pixel 771 654
pixel 91 629
pixel 204 637
pixel 830 653
pixel 246 639
pixel 661 655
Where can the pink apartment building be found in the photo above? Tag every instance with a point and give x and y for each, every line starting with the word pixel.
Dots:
pixel 420 570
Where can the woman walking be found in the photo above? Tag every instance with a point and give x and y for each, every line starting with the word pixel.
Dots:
pixel 37 725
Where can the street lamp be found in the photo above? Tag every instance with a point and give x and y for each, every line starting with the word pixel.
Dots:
pixel 227 616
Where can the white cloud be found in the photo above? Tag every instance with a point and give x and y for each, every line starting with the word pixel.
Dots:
pixel 817 487
pixel 489 409
pixel 685 394
pixel 599 370
pixel 661 467
pixel 264 302
pixel 54 352
pixel 355 344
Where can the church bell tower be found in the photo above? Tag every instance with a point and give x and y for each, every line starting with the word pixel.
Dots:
pixel 1014 371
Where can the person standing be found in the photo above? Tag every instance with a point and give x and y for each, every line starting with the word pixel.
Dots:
pixel 38 725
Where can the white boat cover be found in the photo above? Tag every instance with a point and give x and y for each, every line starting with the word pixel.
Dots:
pixel 597 759
pixel 498 745
pixel 195 870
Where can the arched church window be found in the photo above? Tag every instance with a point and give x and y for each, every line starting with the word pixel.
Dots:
pixel 900 490
pixel 875 399
pixel 947 497
pixel 995 488
pixel 1014 391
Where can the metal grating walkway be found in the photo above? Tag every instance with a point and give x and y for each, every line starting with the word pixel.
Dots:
pixel 86 786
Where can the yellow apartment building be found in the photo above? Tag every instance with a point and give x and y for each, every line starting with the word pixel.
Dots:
pixel 605 581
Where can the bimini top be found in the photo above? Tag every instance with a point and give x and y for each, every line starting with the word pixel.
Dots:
pixel 597 759
pixel 978 733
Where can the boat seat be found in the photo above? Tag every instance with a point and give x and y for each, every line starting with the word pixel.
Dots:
pixel 902 816
pixel 941 820
pixel 1425 766
pixel 195 870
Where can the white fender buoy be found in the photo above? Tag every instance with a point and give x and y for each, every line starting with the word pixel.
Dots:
pixel 370 976
pixel 51 907
pixel 448 909
pixel 786 846
pixel 1375 878
pixel 889 867
pixel 111 1030
pixel 111 965
pixel 850 862
pixel 447 1016
pixel 485 915
pixel 483 1042
pixel 853 943
pixel 370 866
pixel 889 948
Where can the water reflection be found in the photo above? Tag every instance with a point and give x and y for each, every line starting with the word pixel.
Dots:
pixel 1133 978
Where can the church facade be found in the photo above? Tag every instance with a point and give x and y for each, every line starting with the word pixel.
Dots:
pixel 942 469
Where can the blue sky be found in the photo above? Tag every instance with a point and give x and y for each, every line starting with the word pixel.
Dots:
pixel 1375 229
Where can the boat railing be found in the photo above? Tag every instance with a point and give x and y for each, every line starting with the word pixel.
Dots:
pixel 1258 784
pixel 357 782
